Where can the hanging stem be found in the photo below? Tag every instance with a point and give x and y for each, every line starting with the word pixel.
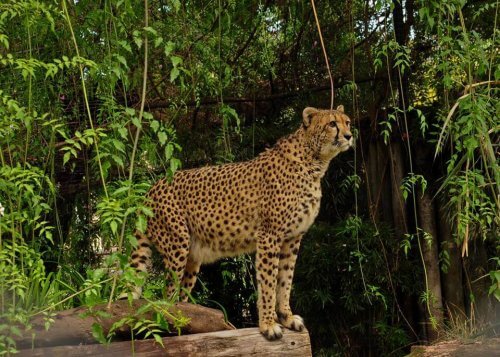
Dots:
pixel 332 88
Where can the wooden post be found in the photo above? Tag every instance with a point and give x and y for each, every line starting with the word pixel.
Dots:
pixel 243 342
pixel 74 326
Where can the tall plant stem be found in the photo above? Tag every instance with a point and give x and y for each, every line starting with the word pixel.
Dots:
pixel 493 51
pixel 136 139
pixel 85 96
pixel 356 115
pixel 225 123
pixel 30 96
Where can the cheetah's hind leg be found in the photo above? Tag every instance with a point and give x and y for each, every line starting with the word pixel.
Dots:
pixel 189 278
pixel 175 251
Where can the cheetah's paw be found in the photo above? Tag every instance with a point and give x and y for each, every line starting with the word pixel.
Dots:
pixel 293 322
pixel 271 331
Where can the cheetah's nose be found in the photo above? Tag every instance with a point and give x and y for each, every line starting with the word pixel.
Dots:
pixel 347 137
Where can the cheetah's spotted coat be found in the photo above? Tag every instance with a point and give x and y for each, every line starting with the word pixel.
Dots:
pixel 263 205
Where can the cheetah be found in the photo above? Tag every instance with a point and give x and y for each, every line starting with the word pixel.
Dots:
pixel 264 205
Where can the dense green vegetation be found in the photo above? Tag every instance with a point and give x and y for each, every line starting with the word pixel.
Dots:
pixel 99 99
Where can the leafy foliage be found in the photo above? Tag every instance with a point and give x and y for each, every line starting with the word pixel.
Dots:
pixel 82 139
pixel 335 297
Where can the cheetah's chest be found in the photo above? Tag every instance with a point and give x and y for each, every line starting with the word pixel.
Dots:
pixel 304 213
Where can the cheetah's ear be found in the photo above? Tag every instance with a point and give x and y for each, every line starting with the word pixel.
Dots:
pixel 307 115
pixel 340 108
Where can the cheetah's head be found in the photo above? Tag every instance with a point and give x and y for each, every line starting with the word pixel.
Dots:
pixel 329 131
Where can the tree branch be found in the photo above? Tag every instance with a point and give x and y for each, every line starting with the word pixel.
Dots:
pixel 158 104
pixel 243 48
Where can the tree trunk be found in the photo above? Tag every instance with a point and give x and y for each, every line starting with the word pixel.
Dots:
pixel 398 203
pixel 452 281
pixel 384 166
pixel 373 181
pixel 482 306
pixel 430 250
pixel 401 30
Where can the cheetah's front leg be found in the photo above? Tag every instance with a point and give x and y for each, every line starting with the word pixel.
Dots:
pixel 266 263
pixel 288 257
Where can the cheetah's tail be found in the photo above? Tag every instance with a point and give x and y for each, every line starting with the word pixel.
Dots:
pixel 140 260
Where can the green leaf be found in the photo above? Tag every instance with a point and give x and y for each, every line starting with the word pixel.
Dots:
pixel 141 224
pixel 176 4
pixel 98 333
pixel 147 116
pixel 150 30
pixel 114 226
pixel 118 160
pixel 118 145
pixel 132 240
pixel 15 330
pixel 169 150
pixel 169 47
pixel 404 193
pixel 121 59
pixel 137 38
pixel 48 236
pixel 162 137
pixel 147 211
pixel 66 157
pixel 176 60
pixel 137 123
pixel 123 132
pixel 174 74
pixel 125 45
pixel 158 339
pixel 158 41
pixel 130 111
pixel 174 165
pixel 121 190
pixel 155 125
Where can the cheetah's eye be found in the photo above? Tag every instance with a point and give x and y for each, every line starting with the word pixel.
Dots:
pixel 348 124
pixel 333 124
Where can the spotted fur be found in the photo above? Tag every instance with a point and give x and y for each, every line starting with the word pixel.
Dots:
pixel 263 205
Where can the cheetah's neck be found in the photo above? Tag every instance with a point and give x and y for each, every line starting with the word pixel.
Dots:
pixel 301 151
